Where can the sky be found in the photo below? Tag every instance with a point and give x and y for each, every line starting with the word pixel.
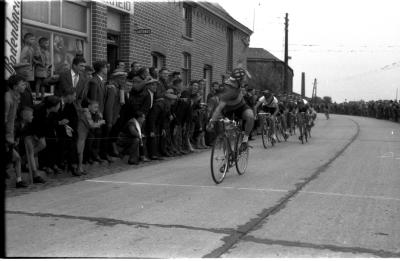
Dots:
pixel 351 47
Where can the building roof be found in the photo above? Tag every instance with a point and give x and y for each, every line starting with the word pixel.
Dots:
pixel 260 53
pixel 219 11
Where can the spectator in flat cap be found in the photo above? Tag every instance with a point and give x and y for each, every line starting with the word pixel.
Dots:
pixel 26 98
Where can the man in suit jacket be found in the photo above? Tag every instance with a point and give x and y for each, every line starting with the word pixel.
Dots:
pixel 97 91
pixel 67 131
pixel 73 78
pixel 96 85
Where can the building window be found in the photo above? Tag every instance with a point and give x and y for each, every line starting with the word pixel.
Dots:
pixel 66 14
pixel 187 20
pixel 229 57
pixel 73 16
pixel 62 50
pixel 64 23
pixel 186 68
pixel 158 60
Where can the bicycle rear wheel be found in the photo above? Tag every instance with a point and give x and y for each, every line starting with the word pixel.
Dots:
pixel 242 155
pixel 219 159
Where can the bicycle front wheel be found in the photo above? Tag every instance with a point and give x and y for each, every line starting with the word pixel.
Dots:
pixel 242 156
pixel 264 135
pixel 219 159
pixel 279 133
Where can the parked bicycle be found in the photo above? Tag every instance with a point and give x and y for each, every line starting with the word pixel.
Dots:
pixel 228 149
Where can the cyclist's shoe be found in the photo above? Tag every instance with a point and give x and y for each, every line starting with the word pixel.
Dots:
pixel 274 137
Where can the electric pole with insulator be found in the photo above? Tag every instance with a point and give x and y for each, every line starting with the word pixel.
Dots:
pixel 285 71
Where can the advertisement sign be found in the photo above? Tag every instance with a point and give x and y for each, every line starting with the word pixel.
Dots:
pixel 12 36
pixel 124 6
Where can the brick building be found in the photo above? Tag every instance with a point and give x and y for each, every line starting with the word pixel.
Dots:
pixel 199 39
pixel 267 71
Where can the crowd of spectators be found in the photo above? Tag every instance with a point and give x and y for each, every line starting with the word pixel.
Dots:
pixel 95 114
pixel 381 109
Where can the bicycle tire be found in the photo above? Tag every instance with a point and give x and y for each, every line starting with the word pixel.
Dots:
pixel 264 135
pixel 306 133
pixel 301 134
pixel 241 157
pixel 279 135
pixel 218 174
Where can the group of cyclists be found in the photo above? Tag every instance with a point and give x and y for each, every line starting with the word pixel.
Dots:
pixel 232 104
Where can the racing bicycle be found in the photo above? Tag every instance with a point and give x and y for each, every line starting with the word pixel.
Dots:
pixel 228 150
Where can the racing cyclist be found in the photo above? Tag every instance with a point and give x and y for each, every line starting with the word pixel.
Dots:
pixel 269 104
pixel 302 106
pixel 232 103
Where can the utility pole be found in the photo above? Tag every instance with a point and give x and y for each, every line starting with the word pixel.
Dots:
pixel 285 71
pixel 314 92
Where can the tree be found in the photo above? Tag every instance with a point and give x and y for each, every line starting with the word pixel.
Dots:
pixel 327 99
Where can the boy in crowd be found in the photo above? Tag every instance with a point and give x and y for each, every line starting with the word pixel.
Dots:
pixel 89 125
pixel 28 144
pixel 130 139
pixel 16 85
pixel 43 65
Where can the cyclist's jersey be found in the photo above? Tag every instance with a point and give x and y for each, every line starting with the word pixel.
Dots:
pixel 272 104
pixel 271 107
pixel 231 96
pixel 235 102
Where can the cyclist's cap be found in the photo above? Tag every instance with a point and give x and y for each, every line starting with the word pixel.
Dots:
pixel 238 74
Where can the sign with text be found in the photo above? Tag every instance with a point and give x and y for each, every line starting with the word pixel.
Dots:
pixel 124 6
pixel 12 36
pixel 143 31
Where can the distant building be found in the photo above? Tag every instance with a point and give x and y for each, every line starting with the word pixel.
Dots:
pixel 267 71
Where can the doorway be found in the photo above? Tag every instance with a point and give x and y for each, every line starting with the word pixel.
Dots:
pixel 112 50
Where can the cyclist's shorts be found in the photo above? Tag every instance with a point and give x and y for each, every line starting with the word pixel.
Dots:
pixel 235 111
pixel 268 109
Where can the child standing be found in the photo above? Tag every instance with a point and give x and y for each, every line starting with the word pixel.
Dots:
pixel 42 69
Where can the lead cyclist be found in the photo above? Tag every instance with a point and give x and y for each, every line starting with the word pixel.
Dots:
pixel 232 103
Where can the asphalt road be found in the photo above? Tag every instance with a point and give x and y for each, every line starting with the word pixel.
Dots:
pixel 337 196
